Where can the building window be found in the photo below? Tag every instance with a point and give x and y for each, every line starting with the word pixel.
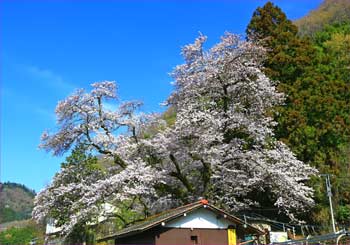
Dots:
pixel 194 239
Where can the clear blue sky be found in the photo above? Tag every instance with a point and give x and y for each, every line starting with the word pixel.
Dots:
pixel 49 48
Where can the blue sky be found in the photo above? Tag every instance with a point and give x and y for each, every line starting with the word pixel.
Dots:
pixel 49 48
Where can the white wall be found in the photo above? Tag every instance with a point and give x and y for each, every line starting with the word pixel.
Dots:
pixel 51 228
pixel 200 218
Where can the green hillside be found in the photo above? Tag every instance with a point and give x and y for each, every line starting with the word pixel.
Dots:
pixel 16 202
pixel 329 12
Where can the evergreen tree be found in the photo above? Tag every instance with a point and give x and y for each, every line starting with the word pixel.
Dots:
pixel 288 55
pixel 314 74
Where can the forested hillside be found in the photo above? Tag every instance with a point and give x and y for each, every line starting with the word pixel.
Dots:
pixel 329 12
pixel 16 202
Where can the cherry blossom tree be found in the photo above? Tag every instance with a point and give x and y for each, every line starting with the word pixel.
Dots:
pixel 77 195
pixel 221 146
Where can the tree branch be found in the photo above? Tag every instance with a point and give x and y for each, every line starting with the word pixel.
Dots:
pixel 205 174
pixel 178 174
pixel 102 122
pixel 116 158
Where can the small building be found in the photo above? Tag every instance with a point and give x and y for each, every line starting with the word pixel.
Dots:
pixel 196 223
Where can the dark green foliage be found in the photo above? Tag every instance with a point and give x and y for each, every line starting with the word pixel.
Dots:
pixel 268 20
pixel 315 76
pixel 288 55
pixel 343 214
pixel 79 157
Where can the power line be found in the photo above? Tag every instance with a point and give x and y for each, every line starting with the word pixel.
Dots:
pixel 279 224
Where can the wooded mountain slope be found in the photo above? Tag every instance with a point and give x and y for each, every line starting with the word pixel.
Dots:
pixel 329 12
pixel 16 202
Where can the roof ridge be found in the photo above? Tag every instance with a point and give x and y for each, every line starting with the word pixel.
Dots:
pixel 174 209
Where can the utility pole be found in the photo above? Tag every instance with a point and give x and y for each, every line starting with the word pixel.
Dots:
pixel 329 194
